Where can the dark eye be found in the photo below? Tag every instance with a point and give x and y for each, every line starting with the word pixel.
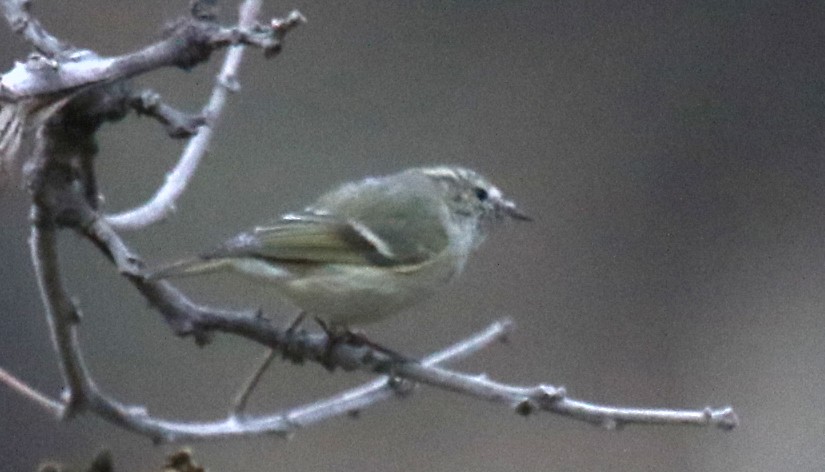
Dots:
pixel 481 193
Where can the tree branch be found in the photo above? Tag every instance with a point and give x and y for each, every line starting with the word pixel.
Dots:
pixel 18 16
pixel 83 393
pixel 176 123
pixel 545 397
pixel 524 400
pixel 242 398
pixel 188 43
pixel 61 312
pixel 50 405
pixel 62 187
pixel 162 204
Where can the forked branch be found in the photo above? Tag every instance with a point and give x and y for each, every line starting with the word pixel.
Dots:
pixel 64 195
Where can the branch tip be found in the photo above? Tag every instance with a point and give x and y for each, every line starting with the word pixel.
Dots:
pixel 188 318
pixel 27 391
pixel 283 25
pixel 726 419
pixel 507 326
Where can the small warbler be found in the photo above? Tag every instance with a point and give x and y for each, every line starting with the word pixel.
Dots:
pixel 366 249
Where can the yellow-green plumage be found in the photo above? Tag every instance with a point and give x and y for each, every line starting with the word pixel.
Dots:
pixel 366 249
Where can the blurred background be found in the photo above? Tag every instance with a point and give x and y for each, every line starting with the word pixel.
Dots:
pixel 670 152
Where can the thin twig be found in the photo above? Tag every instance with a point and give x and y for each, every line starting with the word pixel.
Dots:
pixel 22 23
pixel 49 404
pixel 61 312
pixel 386 387
pixel 57 199
pixel 177 123
pixel 163 203
pixel 242 398
pixel 188 44
pixel 545 397
pixel 523 399
pixel 137 419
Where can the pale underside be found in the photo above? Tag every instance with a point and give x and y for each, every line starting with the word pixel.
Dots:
pixel 384 248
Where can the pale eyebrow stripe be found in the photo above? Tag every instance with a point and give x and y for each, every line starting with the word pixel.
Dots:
pixel 441 172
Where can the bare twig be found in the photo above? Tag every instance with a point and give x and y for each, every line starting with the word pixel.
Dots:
pixel 354 400
pixel 523 400
pixel 162 204
pixel 52 406
pixel 545 397
pixel 188 44
pixel 61 312
pixel 60 199
pixel 242 398
pixel 62 319
pixel 177 123
pixel 18 15
pixel 34 90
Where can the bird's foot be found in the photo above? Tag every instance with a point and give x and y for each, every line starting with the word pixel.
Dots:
pixel 338 335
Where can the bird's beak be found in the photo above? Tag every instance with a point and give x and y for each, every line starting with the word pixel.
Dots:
pixel 510 209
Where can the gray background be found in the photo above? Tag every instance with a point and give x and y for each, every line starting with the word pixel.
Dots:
pixel 671 154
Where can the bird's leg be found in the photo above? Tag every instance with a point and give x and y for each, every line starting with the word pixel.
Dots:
pixel 358 338
pixel 292 351
pixel 334 338
pixel 297 322
pixel 241 399
pixel 337 335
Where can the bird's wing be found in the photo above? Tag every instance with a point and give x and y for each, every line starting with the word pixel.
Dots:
pixel 405 211
pixel 376 222
pixel 316 239
pixel 313 239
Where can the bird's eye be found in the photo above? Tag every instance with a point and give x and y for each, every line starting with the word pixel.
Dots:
pixel 481 193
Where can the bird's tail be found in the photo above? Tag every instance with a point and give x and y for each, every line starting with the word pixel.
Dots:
pixel 188 267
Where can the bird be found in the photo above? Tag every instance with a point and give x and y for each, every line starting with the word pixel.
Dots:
pixel 366 249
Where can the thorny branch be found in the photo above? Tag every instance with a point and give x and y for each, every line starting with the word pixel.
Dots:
pixel 64 195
